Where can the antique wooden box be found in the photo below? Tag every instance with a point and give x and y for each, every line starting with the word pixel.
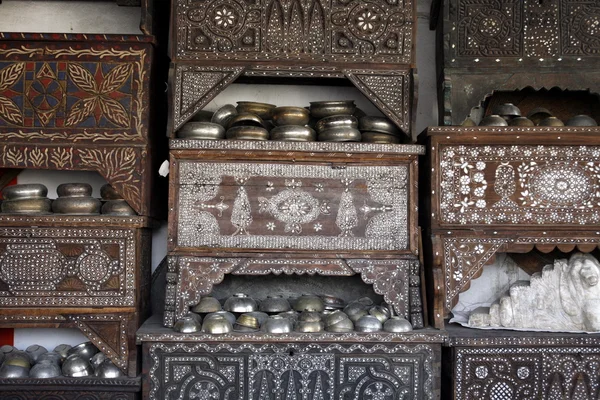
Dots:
pixel 291 366
pixel 71 389
pixel 79 102
pixel 490 45
pixel 520 365
pixel 299 199
pixel 87 272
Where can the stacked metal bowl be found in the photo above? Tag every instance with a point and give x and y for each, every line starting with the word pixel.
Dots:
pixel 26 199
pixel 510 115
pixel 113 202
pixel 75 198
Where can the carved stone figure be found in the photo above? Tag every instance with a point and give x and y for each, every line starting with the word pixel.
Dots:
pixel 563 297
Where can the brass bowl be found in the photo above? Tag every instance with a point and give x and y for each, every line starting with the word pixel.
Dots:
pixel 368 323
pixel 581 120
pixel 76 205
pixel 263 110
pixel 290 116
pixel 507 111
pixel 520 121
pixel 468 122
pixel 308 302
pixel 117 207
pixel 244 329
pixel 25 191
pixel 377 137
pixel 248 321
pixel 224 114
pixel 18 358
pixel 397 324
pixel 493 120
pixel 274 304
pixel 336 121
pixel 27 206
pixel 247 133
pixel 260 316
pixel 202 116
pixel 74 190
pixel 322 109
pixel 222 314
pixel 293 133
pixel 187 324
pixel 240 303
pixel 216 325
pixel 538 114
pixel 107 192
pixel 309 316
pixel 201 130
pixel 207 305
pixel 378 124
pixel 246 119
pixel 343 134
pixel 551 121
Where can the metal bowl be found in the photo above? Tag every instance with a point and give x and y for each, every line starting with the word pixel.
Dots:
pixel 13 371
pixel 207 305
pixel 240 303
pixel 247 133
pixel 368 323
pixel 345 325
pixel 355 310
pixel 216 325
pixel 225 314
pixel 224 114
pixel 76 205
pixel 291 315
pixel 520 121
pixel 321 109
pixel 581 120
pixel 468 122
pixel 340 135
pixel 85 350
pixel 98 359
pixel 35 351
pixel 18 358
pixel 27 206
pixel 117 207
pixel 74 190
pixel 248 321
pixel 77 366
pixel 309 316
pixel 493 120
pixel 334 318
pixel 201 130
pixel 107 192
pixel 538 114
pixel 45 370
pixel 293 133
pixel 381 313
pixel 274 304
pixel 108 370
pixel 187 324
pixel 25 191
pixel 278 324
pixel 332 302
pixel 397 324
pixel 378 124
pixel 263 110
pixel 336 121
pixel 51 356
pixel 377 137
pixel 310 326
pixel 309 302
pixel 202 116
pixel 7 348
pixel 63 350
pixel 551 121
pixel 246 119
pixel 262 317
pixel 290 116
pixel 507 111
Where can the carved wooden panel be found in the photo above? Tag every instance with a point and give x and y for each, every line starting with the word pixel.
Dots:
pixel 299 371
pixel 526 373
pixel 70 389
pixel 290 207
pixel 316 31
pixel 189 278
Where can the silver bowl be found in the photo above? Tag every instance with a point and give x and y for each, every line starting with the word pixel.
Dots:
pixel 581 120
pixel 187 324
pixel 278 324
pixel 98 359
pixel 117 207
pixel 381 313
pixel 247 133
pixel 332 302
pixel 240 303
pixel 224 114
pixel 343 326
pixel 25 191
pixel 51 356
pixel 108 370
pixel 12 371
pixel 107 192
pixel 551 121
pixel 309 316
pixel 334 318
pixel 538 114
pixel 290 116
pixel 309 302
pixel 520 121
pixel 322 109
pixel 368 323
pixel 35 351
pixel 310 326
pixel 63 350
pixel 207 305
pixel 246 119
pixel 263 110
pixel 226 314
pixel 202 116
pixel 291 315
pixel 342 134
pixel 45 370
pixel 378 124
pixel 7 348
pixel 85 350
pixel 77 366
pixel 201 130
pixel 336 121
pixel 507 111
pixel 355 310
pixel 74 190
pixel 274 304
pixel 27 206
pixel 76 205
pixel 293 133
pixel 397 324
pixel 216 325
pixel 377 137
pixel 493 120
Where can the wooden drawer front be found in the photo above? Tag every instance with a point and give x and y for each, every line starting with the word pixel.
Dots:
pixel 67 267
pixel 527 373
pixel 377 31
pixel 268 371
pixel 292 206
pixel 518 185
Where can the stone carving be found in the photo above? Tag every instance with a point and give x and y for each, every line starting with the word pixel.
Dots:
pixel 565 296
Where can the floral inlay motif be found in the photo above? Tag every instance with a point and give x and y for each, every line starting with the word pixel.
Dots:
pixel 225 17
pixel 367 21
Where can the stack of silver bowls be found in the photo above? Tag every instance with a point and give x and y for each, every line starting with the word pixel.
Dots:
pixel 247 126
pixel 114 203
pixel 338 128
pixel 75 198
pixel 380 130
pixel 27 198
pixel 509 115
